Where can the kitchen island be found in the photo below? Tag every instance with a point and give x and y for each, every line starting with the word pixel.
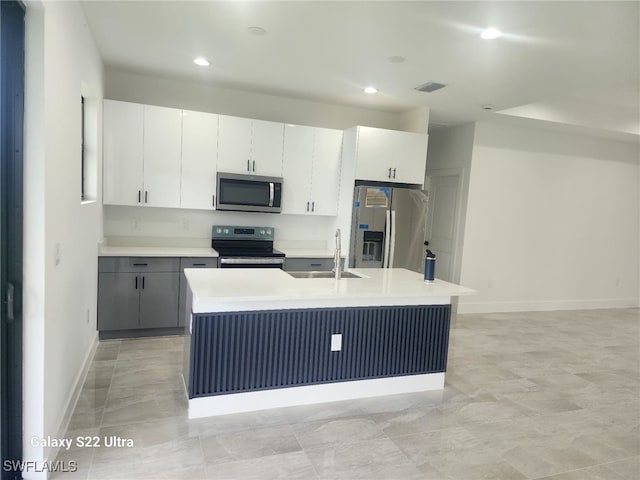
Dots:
pixel 260 338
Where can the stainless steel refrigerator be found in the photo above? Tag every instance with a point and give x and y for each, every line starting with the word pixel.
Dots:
pixel 388 227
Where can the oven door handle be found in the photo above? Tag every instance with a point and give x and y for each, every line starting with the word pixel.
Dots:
pixel 252 260
pixel 271 193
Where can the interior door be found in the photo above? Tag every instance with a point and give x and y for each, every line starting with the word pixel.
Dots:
pixel 441 222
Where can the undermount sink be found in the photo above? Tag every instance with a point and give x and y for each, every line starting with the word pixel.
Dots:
pixel 322 275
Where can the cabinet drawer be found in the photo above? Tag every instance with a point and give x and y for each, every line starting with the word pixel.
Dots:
pixel 198 262
pixel 138 264
pixel 308 264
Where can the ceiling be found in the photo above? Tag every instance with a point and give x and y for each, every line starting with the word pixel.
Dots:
pixel 560 63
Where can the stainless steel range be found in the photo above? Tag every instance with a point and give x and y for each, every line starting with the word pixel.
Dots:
pixel 245 247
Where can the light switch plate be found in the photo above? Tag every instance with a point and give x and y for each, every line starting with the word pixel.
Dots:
pixel 336 342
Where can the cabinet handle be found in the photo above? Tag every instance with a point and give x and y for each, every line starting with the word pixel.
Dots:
pixel 394 173
pixel 307 206
pixel 315 264
pixel 254 166
pixel 140 264
pixel 139 198
pixel 248 165
pixel 313 206
pixel 143 283
pixel 389 174
pixel 136 282
pixel 146 196
pixel 199 264
pixel 213 200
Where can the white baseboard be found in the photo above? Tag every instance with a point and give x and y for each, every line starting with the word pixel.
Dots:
pixel 310 394
pixel 546 305
pixel 74 395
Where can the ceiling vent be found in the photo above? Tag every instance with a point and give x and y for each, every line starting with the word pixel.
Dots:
pixel 430 87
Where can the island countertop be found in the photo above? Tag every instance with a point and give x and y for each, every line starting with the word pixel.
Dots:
pixel 228 290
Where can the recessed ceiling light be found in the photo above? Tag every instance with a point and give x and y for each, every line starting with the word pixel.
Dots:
pixel 490 33
pixel 488 106
pixel 203 62
pixel 257 30
pixel 370 90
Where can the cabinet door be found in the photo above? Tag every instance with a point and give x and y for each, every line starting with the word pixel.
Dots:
pixel 410 157
pixel 118 301
pixel 162 151
pixel 199 157
pixel 266 148
pixel 122 152
pixel 325 178
pixel 234 144
pixel 375 153
pixel 296 169
pixel 159 300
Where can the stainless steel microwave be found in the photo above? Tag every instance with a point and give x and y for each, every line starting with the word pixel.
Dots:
pixel 249 193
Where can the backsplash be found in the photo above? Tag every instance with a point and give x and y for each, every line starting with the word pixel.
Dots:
pixel 178 227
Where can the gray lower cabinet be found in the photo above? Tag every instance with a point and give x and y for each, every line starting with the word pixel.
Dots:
pixel 308 264
pixel 137 293
pixel 190 262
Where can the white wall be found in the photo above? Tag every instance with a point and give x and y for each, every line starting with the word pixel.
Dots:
pixel 552 222
pixel 62 64
pixel 154 90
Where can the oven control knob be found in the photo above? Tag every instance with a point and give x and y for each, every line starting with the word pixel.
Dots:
pixel 226 231
pixel 218 230
pixel 261 232
pixel 268 232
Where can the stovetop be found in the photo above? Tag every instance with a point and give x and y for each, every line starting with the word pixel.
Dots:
pixel 243 241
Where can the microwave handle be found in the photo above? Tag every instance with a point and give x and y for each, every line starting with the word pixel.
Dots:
pixel 271 193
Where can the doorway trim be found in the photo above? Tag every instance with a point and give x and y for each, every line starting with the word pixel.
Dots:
pixel 12 45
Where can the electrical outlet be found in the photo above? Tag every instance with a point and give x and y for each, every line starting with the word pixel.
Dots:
pixel 58 254
pixel 88 314
pixel 185 224
pixel 135 223
pixel 490 284
pixel 336 342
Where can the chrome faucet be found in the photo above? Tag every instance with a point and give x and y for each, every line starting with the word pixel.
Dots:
pixel 337 263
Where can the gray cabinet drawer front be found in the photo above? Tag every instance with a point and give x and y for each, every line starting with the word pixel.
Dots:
pixel 198 262
pixel 138 264
pixel 308 264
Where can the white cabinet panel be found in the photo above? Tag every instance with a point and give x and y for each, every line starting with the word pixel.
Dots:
pixel 199 158
pixel 311 170
pixel 234 144
pixel 162 152
pixel 250 146
pixel 325 179
pixel 411 157
pixel 296 169
pixel 266 148
pixel 122 153
pixel 390 155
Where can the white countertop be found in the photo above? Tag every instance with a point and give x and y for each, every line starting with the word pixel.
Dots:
pixel 134 251
pixel 228 290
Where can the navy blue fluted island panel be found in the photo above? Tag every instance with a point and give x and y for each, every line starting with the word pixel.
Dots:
pixel 233 352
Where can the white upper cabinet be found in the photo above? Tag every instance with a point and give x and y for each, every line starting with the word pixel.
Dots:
pixel 250 146
pixel 142 154
pixel 390 155
pixel 325 176
pixel 311 170
pixel 162 156
pixel 122 153
pixel 199 157
pixel 296 167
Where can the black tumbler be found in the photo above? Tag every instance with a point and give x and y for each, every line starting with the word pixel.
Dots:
pixel 429 268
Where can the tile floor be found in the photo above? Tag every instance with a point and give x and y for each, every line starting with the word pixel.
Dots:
pixel 553 395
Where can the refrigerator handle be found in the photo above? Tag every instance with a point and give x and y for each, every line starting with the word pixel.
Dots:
pixel 392 246
pixel 387 239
